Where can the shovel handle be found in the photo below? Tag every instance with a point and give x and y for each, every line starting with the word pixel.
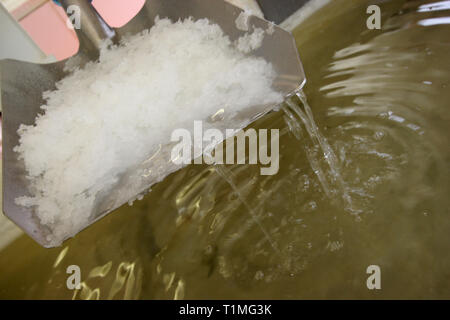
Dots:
pixel 92 30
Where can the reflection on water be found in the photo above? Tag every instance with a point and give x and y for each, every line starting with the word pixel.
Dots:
pixel 368 186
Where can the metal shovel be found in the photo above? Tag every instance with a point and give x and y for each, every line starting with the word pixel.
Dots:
pixel 23 84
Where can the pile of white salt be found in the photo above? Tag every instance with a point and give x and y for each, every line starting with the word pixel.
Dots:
pixel 112 114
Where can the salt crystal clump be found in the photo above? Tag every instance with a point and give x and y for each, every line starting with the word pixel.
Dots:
pixel 250 41
pixel 112 114
pixel 242 21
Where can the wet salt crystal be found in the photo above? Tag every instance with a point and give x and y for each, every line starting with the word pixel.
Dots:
pixel 112 114
pixel 271 29
pixel 250 41
pixel 242 22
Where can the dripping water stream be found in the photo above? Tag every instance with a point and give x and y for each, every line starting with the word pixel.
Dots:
pixel 322 159
pixel 299 118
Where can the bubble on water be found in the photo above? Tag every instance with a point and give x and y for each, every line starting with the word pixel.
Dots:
pixel 259 275
pixel 310 206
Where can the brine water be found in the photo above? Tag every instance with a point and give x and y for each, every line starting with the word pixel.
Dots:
pixel 364 180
